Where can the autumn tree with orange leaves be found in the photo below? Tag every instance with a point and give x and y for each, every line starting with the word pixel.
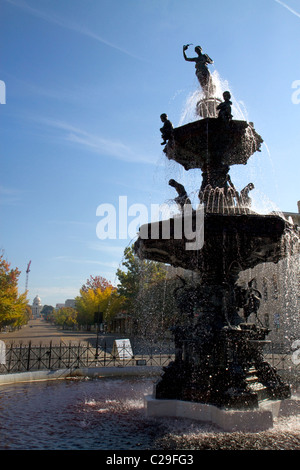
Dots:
pixel 97 295
pixel 13 311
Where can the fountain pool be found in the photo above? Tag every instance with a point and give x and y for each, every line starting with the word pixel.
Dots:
pixel 108 414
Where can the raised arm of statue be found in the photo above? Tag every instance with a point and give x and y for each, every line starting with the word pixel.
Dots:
pixel 185 56
pixel 202 71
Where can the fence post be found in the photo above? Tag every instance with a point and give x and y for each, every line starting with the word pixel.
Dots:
pixel 40 356
pixel 50 351
pixel 28 356
pixel 10 356
pixel 20 357
pixel 69 356
pixel 87 354
pixel 59 357
pixel 78 356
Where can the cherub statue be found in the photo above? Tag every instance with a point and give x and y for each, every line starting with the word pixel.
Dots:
pixel 167 129
pixel 225 107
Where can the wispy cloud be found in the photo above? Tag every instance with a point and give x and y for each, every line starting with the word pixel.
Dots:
pixel 98 144
pixel 66 23
pixel 288 8
pixel 68 259
pixel 10 196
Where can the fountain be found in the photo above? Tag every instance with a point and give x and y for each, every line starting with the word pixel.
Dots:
pixel 219 373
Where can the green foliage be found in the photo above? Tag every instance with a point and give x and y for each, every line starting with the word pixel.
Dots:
pixel 65 316
pixel 156 308
pixel 138 273
pixel 147 293
pixel 47 312
pixel 98 295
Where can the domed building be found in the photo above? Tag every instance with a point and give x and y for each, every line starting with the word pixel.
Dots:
pixel 36 307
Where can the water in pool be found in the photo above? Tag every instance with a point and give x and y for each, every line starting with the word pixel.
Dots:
pixel 108 414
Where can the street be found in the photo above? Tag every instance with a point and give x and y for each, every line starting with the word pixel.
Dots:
pixel 39 331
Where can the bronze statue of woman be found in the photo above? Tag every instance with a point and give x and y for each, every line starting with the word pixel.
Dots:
pixel 202 71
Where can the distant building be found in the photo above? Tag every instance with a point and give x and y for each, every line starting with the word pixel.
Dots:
pixel 36 307
pixel 68 303
pixel 58 306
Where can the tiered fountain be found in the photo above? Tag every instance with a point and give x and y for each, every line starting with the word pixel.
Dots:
pixel 219 373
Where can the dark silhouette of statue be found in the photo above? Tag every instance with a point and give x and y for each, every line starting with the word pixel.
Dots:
pixel 202 71
pixel 245 198
pixel 167 129
pixel 182 199
pixel 225 107
pixel 249 299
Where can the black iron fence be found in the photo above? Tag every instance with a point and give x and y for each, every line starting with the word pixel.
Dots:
pixel 287 367
pixel 25 358
pixel 28 357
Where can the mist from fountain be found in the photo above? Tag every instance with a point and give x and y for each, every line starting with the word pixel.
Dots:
pixel 290 273
pixel 190 112
pixel 218 200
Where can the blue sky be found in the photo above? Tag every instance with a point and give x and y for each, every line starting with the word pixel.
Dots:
pixel 86 82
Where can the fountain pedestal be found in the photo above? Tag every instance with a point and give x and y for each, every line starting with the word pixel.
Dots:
pixel 230 420
pixel 229 372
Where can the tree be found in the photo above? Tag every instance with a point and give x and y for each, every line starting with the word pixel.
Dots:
pixel 156 308
pixel 12 304
pixel 129 280
pixel 139 285
pixel 65 316
pixel 97 295
pixel 27 313
pixel 139 274
pixel 96 282
pixel 47 312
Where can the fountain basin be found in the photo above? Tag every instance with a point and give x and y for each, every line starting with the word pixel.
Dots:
pixel 232 243
pixel 230 420
pixel 210 141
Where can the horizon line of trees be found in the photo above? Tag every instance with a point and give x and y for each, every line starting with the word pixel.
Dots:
pixel 144 294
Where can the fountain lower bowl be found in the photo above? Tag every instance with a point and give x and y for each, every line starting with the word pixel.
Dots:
pixel 231 242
